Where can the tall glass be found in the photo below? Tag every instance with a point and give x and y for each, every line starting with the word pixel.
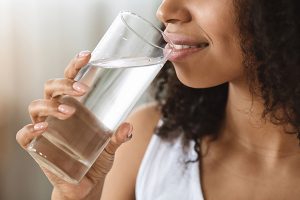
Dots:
pixel 122 66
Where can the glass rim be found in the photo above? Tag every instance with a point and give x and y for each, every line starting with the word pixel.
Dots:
pixel 122 13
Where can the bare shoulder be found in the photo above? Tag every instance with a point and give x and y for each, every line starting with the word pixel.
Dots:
pixel 128 157
pixel 144 119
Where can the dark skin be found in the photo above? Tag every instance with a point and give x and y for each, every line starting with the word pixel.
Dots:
pixel 91 185
pixel 252 159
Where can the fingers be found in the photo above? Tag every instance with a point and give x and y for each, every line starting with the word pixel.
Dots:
pixel 30 131
pixel 123 134
pixel 76 64
pixel 40 109
pixel 56 87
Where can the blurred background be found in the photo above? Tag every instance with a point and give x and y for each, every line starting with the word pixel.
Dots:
pixel 37 40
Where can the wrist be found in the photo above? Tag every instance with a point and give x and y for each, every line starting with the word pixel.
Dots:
pixel 78 193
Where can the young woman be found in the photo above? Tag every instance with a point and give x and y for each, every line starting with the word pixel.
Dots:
pixel 227 114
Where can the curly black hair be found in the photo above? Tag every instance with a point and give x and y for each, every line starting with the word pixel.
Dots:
pixel 270 41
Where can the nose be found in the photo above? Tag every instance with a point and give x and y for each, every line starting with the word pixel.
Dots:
pixel 173 11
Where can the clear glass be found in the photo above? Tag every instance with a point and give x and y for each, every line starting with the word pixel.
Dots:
pixel 122 66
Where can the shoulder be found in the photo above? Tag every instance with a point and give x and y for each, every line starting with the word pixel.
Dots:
pixel 129 156
pixel 144 119
pixel 148 112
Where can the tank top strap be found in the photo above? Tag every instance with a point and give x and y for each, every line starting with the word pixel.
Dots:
pixel 164 174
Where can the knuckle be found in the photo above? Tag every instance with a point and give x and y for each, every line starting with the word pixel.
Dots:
pixel 111 148
pixel 48 83
pixel 66 72
pixel 47 87
pixel 33 104
pixel 42 106
pixel 18 136
pixel 58 87
pixel 50 106
pixel 21 134
pixel 108 155
pixel 69 67
pixel 104 164
pixel 67 83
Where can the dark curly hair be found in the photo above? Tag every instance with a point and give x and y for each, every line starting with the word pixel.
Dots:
pixel 270 41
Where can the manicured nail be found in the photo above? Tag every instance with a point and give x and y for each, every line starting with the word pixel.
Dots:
pixel 79 87
pixel 83 54
pixel 66 109
pixel 129 135
pixel 40 126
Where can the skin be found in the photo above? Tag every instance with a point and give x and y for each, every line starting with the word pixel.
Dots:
pixel 249 159
pixel 123 172
pixel 41 108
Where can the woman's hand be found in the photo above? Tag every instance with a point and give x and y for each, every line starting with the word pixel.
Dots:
pixel 40 109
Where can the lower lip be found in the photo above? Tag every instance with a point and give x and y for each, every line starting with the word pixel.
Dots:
pixel 180 54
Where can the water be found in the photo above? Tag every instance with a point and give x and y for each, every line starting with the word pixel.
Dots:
pixel 127 62
pixel 146 63
pixel 69 147
pixel 115 91
pixel 72 144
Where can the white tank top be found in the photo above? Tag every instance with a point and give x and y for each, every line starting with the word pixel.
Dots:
pixel 163 174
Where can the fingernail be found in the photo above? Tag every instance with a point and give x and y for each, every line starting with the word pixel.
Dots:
pixel 79 87
pixel 40 126
pixel 66 109
pixel 129 136
pixel 84 54
pixel 130 128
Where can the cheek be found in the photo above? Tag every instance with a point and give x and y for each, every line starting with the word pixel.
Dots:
pixel 223 32
pixel 223 60
pixel 228 56
pixel 222 63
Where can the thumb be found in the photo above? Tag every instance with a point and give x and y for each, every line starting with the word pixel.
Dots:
pixel 105 161
pixel 123 134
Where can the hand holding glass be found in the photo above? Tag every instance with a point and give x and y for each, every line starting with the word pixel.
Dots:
pixel 122 66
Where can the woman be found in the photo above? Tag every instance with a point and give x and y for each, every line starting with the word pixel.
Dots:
pixel 226 124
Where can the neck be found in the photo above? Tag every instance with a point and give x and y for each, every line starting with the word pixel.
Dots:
pixel 244 125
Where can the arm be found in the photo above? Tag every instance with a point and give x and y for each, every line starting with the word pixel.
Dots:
pixel 120 183
pixel 40 109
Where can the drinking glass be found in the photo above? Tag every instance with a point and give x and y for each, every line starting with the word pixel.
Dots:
pixel 122 66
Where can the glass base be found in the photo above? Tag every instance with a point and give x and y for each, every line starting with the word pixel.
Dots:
pixel 52 168
pixel 57 160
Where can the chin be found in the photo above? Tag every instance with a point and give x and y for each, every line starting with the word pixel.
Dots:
pixel 198 82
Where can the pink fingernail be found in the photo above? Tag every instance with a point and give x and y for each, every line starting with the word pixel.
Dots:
pixel 130 128
pixel 79 87
pixel 129 136
pixel 66 109
pixel 84 54
pixel 40 126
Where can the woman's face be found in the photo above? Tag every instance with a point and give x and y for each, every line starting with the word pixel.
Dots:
pixel 206 38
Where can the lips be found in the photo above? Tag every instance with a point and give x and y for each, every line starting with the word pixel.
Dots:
pixel 183 45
